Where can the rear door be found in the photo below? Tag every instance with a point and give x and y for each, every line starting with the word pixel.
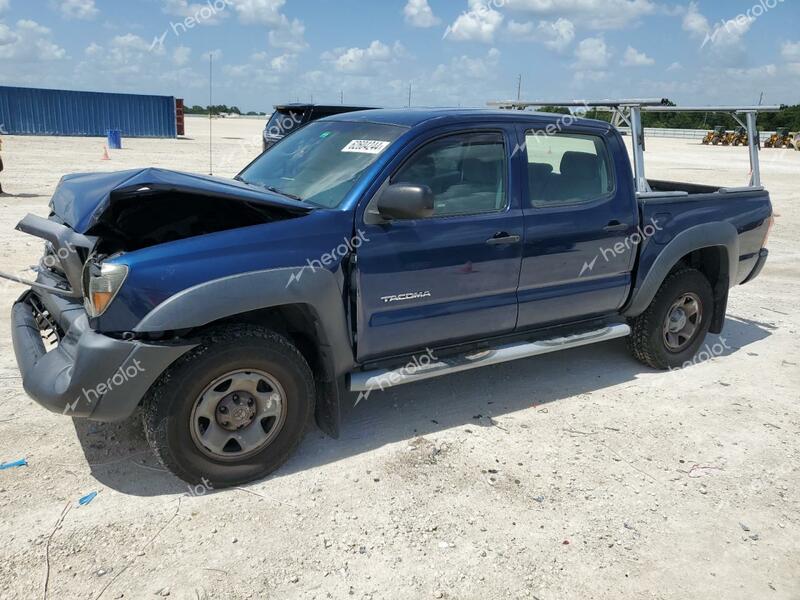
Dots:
pixel 452 277
pixel 580 224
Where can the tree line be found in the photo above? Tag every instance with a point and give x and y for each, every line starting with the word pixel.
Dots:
pixel 217 109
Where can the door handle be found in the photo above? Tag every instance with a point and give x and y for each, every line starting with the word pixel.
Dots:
pixel 501 237
pixel 615 226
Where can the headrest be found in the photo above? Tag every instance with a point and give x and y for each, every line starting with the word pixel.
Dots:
pixel 479 170
pixel 539 170
pixel 580 164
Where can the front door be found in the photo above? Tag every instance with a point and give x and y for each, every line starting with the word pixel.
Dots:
pixel 451 277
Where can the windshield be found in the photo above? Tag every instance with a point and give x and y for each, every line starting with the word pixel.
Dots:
pixel 321 162
pixel 283 122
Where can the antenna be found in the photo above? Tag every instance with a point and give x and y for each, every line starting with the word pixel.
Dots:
pixel 341 96
pixel 210 109
pixel 409 95
pixel 519 87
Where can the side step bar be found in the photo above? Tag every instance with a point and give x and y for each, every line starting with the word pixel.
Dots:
pixel 379 379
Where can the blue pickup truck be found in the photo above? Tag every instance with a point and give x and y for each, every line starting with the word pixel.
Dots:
pixel 365 250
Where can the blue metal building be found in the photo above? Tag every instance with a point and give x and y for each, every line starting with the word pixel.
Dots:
pixel 32 111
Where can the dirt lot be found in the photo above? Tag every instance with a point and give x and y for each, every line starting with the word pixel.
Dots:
pixel 580 474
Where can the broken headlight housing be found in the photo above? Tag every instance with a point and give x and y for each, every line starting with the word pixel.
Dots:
pixel 101 282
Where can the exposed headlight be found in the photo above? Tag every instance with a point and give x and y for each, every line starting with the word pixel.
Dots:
pixel 101 282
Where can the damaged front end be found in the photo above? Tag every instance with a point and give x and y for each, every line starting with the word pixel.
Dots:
pixel 99 222
pixel 130 210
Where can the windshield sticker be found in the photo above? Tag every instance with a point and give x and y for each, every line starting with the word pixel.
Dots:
pixel 366 146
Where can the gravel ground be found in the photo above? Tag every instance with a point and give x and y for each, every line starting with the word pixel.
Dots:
pixel 580 474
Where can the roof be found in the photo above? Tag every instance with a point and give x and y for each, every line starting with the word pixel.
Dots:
pixel 306 106
pixel 412 117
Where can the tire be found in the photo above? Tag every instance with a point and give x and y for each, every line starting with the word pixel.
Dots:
pixel 648 341
pixel 233 359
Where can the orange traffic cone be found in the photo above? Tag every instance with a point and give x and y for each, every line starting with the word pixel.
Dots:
pixel 105 154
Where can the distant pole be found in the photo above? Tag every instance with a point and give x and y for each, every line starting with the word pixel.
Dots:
pixel 312 98
pixel 341 96
pixel 409 95
pixel 761 98
pixel 210 100
pixel 519 87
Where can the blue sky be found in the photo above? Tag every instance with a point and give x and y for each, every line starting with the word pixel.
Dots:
pixel 452 52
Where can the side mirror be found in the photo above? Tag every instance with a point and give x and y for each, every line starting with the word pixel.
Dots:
pixel 406 201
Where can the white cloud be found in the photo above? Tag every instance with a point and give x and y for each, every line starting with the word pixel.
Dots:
pixel 470 67
pixel 259 12
pixel 419 14
pixel 209 13
pixel 751 73
pixel 181 55
pixel 289 35
pixel 93 49
pixel 129 42
pixel 725 37
pixel 478 24
pixel 676 66
pixel 4 5
pixel 283 63
pixel 582 77
pixel 83 10
pixel 596 14
pixel 29 42
pixel 130 63
pixel 284 33
pixel 237 71
pixel 363 60
pixel 791 51
pixel 695 22
pixel 592 53
pixel 634 58
pixel 463 80
pixel 556 35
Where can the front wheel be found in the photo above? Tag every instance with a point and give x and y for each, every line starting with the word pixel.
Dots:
pixel 668 334
pixel 231 410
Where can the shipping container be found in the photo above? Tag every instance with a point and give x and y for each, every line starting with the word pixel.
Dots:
pixel 32 111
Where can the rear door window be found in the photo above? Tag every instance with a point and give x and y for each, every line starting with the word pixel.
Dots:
pixel 567 168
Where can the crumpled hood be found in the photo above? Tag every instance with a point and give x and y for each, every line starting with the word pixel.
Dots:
pixel 80 199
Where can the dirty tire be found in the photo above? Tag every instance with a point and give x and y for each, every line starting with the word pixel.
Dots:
pixel 646 341
pixel 168 408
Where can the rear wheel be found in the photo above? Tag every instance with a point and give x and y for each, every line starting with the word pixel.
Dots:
pixel 674 326
pixel 231 410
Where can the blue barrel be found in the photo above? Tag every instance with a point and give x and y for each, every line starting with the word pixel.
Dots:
pixel 114 139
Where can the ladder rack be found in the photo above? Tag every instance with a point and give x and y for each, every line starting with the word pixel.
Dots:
pixel 629 112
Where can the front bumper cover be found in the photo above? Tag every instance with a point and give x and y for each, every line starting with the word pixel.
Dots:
pixel 87 374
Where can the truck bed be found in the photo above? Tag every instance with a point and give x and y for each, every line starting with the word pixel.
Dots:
pixel 678 207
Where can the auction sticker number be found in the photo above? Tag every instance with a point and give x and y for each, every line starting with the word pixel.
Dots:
pixel 366 146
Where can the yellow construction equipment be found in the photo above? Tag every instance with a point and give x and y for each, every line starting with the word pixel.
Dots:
pixel 715 137
pixel 738 137
pixel 779 139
